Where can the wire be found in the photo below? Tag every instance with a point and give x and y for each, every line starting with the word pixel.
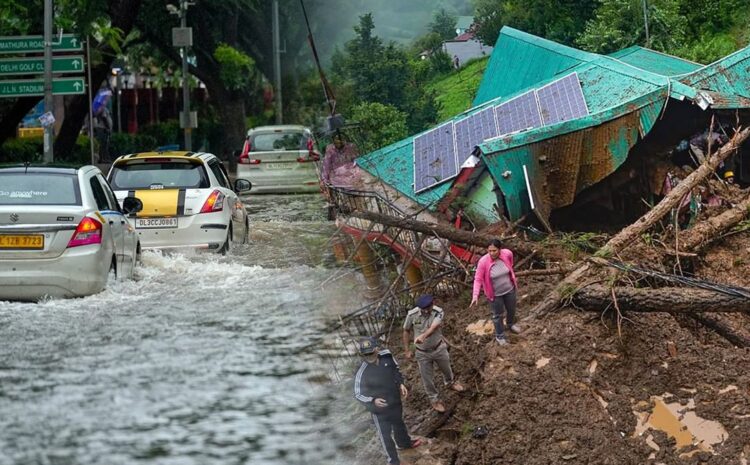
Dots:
pixel 734 291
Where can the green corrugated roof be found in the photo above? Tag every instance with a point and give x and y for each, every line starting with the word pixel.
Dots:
pixel 520 60
pixel 655 62
pixel 730 75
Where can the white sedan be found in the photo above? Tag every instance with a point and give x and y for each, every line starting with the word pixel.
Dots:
pixel 188 201
pixel 61 233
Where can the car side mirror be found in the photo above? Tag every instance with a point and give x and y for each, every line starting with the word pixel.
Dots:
pixel 132 205
pixel 242 185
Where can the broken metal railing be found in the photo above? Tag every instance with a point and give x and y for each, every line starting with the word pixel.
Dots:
pixel 441 275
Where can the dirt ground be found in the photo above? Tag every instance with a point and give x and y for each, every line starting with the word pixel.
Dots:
pixel 570 389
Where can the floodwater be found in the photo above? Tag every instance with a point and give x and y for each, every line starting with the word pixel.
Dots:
pixel 202 360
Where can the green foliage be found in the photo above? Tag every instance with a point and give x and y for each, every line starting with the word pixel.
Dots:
pixel 620 23
pixel 32 149
pixel 444 24
pixel 380 124
pixel 122 143
pixel 429 42
pixel 709 48
pixel 376 72
pixel 237 68
pixel 555 20
pixel 455 91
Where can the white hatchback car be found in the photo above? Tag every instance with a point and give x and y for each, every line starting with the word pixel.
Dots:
pixel 280 159
pixel 61 232
pixel 188 201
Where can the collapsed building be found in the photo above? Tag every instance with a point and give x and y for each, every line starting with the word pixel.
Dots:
pixel 557 133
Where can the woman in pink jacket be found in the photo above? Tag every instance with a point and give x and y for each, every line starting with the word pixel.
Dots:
pixel 495 276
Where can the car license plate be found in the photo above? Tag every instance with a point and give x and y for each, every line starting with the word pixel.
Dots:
pixel 32 241
pixel 276 166
pixel 145 223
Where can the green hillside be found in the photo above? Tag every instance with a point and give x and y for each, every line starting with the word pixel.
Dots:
pixel 456 91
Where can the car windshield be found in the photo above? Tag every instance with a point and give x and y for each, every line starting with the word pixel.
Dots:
pixel 269 141
pixel 159 175
pixel 39 189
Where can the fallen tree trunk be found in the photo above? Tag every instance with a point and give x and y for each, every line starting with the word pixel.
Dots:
pixel 568 285
pixel 440 230
pixel 722 329
pixel 710 229
pixel 665 299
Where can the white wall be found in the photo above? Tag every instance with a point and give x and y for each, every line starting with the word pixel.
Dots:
pixel 466 50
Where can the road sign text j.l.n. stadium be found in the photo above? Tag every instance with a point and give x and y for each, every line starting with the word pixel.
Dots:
pixel 35 87
pixel 19 66
pixel 34 44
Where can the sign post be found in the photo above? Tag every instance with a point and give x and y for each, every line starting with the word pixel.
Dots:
pixel 21 66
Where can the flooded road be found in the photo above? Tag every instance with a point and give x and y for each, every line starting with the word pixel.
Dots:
pixel 202 360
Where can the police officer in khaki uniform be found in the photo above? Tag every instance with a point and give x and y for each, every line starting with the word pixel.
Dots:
pixel 425 321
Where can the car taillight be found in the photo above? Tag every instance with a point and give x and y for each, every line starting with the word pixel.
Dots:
pixel 89 231
pixel 214 203
pixel 244 156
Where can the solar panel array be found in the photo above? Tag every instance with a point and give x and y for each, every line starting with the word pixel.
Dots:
pixel 434 157
pixel 518 114
pixel 439 153
pixel 562 100
pixel 472 131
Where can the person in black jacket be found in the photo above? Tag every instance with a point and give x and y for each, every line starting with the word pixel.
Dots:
pixel 379 386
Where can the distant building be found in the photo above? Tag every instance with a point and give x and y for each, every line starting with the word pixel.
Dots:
pixel 466 46
pixel 463 24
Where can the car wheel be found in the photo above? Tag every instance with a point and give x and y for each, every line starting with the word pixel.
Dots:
pixel 138 257
pixel 246 237
pixel 225 248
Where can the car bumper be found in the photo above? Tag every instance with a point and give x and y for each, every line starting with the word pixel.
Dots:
pixel 202 231
pixel 78 272
pixel 280 182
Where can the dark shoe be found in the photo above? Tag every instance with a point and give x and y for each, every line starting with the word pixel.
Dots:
pixel 414 444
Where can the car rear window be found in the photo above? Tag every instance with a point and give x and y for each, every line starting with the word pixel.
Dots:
pixel 268 141
pixel 159 175
pixel 39 189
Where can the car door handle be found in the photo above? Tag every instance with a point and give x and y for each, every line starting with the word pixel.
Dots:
pixel 111 222
pixel 122 221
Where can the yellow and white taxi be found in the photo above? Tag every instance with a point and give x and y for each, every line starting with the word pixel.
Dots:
pixel 188 201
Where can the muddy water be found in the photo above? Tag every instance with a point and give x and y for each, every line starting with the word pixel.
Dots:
pixel 202 360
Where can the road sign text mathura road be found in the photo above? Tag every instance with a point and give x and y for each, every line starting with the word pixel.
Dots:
pixel 33 44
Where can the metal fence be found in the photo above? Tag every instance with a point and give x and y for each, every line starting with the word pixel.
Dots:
pixel 442 275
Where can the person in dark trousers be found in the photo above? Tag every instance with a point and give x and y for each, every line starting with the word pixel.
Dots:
pixel 379 386
pixel 496 278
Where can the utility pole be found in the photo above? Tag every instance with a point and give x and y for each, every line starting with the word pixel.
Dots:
pixel 49 129
pixel 277 62
pixel 645 22
pixel 187 120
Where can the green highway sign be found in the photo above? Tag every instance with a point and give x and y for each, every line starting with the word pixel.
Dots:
pixel 29 44
pixel 16 66
pixel 35 87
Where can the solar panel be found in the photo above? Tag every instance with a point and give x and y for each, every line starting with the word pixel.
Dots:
pixel 562 100
pixel 472 131
pixel 434 157
pixel 518 114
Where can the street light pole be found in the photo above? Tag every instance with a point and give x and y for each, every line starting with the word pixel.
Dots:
pixel 277 61
pixel 185 83
pixel 49 129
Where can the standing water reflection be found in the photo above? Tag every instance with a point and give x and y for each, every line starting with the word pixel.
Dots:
pixel 203 360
